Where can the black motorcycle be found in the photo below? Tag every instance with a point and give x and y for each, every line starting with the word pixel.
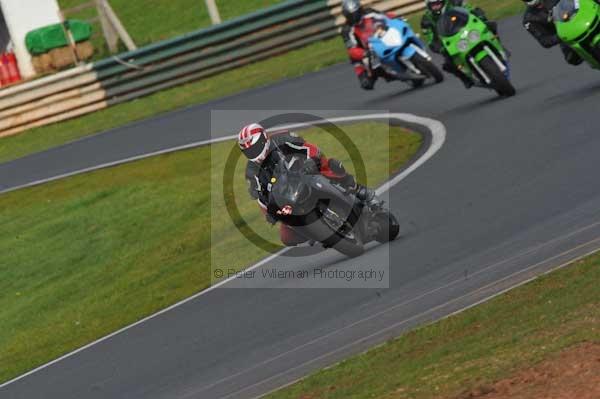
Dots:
pixel 323 211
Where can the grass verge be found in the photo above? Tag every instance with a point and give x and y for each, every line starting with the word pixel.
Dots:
pixel 162 19
pixel 292 64
pixel 472 349
pixel 84 256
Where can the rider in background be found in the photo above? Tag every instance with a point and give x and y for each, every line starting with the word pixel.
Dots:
pixel 538 21
pixel 434 10
pixel 359 26
pixel 264 152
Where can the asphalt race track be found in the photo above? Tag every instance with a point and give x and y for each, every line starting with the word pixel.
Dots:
pixel 512 193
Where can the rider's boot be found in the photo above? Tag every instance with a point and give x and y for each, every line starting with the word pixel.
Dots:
pixel 451 68
pixel 468 83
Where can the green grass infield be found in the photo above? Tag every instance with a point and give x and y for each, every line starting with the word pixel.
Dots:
pixel 87 255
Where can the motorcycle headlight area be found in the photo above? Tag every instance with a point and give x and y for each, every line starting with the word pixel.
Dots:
pixel 565 10
pixel 462 45
pixel 474 36
pixel 392 38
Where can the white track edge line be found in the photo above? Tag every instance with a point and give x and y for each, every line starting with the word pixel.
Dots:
pixel 414 299
pixel 116 163
pixel 461 310
pixel 404 117
pixel 438 137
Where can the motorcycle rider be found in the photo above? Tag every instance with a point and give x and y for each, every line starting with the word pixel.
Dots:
pixel 359 26
pixel 434 9
pixel 260 149
pixel 538 21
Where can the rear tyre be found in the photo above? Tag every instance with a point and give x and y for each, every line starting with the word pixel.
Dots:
pixel 389 228
pixel 500 83
pixel 427 67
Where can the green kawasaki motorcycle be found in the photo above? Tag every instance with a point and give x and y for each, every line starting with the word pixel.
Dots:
pixel 475 50
pixel 578 25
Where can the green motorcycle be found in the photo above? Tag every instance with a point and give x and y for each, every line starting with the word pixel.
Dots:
pixel 578 26
pixel 475 50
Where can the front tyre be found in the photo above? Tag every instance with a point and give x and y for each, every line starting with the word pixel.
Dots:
pixel 427 67
pixel 343 237
pixel 334 229
pixel 500 82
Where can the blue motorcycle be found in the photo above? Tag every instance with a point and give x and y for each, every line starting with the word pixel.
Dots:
pixel 395 47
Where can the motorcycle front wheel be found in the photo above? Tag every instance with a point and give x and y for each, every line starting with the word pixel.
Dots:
pixel 427 67
pixel 331 228
pixel 500 82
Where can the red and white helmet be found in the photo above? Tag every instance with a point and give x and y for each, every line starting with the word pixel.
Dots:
pixel 254 142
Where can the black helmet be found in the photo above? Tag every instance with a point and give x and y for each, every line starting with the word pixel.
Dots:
pixel 352 10
pixel 435 6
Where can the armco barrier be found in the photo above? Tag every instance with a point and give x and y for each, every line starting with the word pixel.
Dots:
pixel 169 63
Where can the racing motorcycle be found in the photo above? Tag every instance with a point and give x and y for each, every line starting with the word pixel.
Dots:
pixel 322 211
pixel 578 25
pixel 475 50
pixel 395 47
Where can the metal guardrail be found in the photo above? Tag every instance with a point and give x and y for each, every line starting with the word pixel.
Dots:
pixel 169 63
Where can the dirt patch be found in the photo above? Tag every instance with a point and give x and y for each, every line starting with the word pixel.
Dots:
pixel 573 374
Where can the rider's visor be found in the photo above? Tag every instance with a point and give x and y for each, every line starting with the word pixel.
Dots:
pixel 256 147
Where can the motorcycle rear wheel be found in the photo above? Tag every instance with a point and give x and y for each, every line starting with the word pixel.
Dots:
pixel 389 228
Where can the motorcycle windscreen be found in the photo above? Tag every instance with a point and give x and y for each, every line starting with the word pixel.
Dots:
pixel 565 10
pixel 289 190
pixel 452 22
pixel 392 38
pixel 577 22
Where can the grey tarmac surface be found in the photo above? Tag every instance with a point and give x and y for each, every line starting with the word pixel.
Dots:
pixel 513 193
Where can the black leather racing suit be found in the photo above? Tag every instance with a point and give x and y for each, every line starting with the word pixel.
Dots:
pixel 259 177
pixel 538 22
